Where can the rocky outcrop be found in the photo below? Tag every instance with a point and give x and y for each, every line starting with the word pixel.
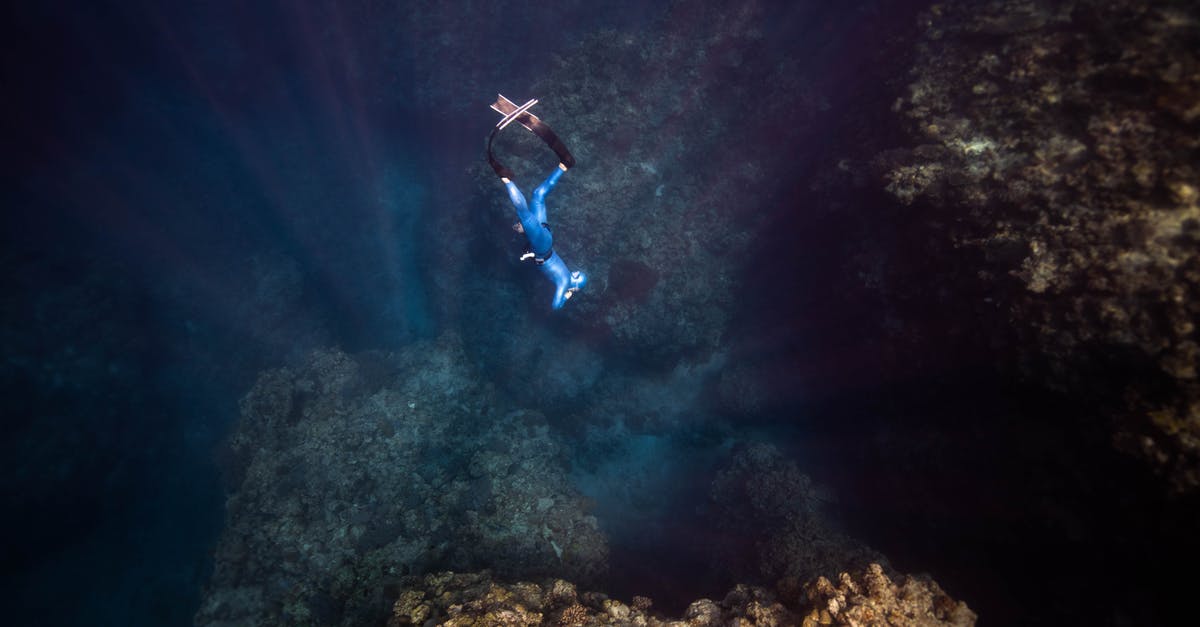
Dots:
pixel 354 476
pixel 1058 140
pixel 351 471
pixel 872 598
pixel 762 496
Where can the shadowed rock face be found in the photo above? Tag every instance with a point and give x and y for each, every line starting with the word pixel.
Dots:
pixel 1059 140
pixel 631 280
pixel 781 519
pixel 997 283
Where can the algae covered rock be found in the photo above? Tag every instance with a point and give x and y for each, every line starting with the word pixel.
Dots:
pixel 1058 139
pixel 350 471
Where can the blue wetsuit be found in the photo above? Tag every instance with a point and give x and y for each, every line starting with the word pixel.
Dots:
pixel 541 242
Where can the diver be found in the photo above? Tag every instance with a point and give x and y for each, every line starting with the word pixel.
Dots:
pixel 532 220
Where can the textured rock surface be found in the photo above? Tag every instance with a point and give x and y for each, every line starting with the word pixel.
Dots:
pixel 869 599
pixel 1060 143
pixel 872 598
pixel 351 471
pixel 763 496
pixel 449 49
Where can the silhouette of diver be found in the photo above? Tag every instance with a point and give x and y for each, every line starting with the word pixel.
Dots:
pixel 532 220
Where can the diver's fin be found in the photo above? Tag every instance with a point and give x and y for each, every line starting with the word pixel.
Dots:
pixel 511 113
pixel 506 107
pixel 521 113
pixel 503 105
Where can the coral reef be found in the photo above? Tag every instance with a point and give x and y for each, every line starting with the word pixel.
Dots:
pixel 351 471
pixel 868 599
pixel 1059 142
pixel 874 599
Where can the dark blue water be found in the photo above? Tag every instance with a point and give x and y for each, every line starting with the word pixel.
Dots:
pixel 197 194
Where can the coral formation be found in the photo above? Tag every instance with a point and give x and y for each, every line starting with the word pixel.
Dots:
pixel 1059 141
pixel 351 471
pixel 872 598
pixel 868 599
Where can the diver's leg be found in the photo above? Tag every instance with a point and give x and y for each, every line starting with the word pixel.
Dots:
pixel 539 194
pixel 538 236
pixel 518 200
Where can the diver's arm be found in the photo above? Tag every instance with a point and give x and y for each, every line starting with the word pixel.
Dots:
pixel 539 194
pixel 560 297
pixel 566 283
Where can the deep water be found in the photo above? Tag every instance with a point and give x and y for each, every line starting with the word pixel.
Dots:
pixel 199 194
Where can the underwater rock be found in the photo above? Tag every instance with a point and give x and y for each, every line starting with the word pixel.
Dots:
pixel 874 599
pixel 1059 141
pixel 348 472
pixel 762 495
pixel 869 599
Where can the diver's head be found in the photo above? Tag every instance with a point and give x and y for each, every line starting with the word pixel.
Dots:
pixel 578 280
pixel 575 280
